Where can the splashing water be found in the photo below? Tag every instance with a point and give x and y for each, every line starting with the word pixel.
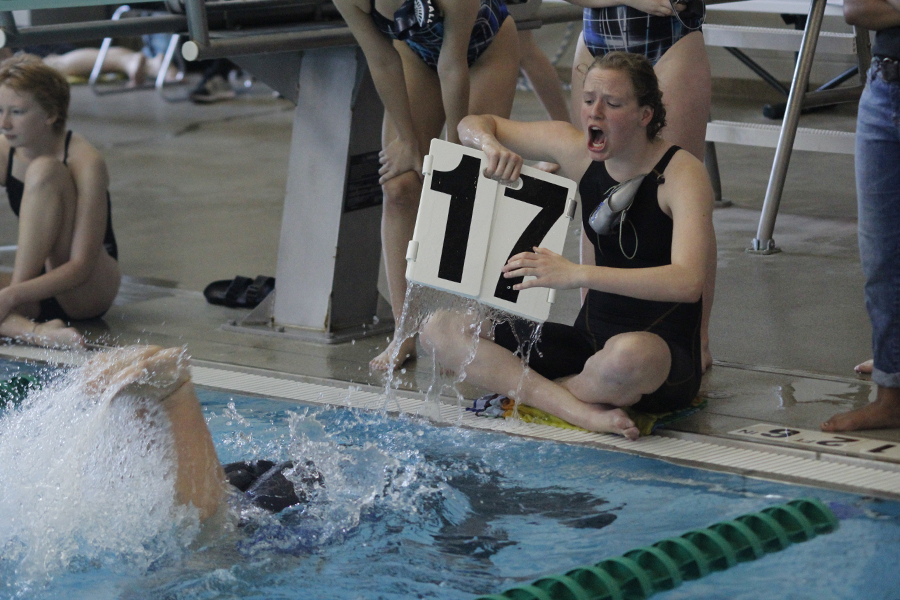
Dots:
pixel 85 481
pixel 421 304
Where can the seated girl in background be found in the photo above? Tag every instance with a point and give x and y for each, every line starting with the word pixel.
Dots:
pixel 636 341
pixel 65 267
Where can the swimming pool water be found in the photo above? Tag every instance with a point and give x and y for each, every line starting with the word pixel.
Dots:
pixel 414 510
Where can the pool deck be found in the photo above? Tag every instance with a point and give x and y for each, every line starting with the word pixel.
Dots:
pixel 197 194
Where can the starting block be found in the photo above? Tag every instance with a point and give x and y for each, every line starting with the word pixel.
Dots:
pixel 469 226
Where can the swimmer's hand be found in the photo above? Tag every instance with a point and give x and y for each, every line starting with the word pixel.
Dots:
pixel 549 269
pixel 657 8
pixel 397 158
pixel 503 164
pixel 144 371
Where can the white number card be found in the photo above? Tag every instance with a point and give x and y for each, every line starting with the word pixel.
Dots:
pixel 468 226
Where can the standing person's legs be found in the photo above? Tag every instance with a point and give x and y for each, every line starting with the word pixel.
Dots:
pixel 878 197
pixel 686 82
pixel 542 76
pixel 401 195
pixel 493 76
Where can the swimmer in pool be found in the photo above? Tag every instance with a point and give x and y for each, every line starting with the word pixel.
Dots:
pixel 66 263
pixel 433 62
pixel 636 341
pixel 162 375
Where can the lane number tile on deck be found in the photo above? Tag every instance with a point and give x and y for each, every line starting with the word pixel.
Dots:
pixel 819 440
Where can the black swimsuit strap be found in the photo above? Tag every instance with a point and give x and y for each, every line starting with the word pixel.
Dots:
pixel 66 151
pixel 660 167
pixel 12 151
pixel 9 164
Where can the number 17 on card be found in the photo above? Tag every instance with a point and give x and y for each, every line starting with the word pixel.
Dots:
pixel 468 226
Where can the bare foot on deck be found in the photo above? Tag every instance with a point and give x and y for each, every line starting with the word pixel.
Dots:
pixel 54 334
pixel 386 361
pixel 865 368
pixel 610 421
pixel 883 413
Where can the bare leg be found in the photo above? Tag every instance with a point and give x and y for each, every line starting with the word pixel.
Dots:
pixel 46 224
pixel 542 77
pixel 628 366
pixel 883 413
pixel 80 63
pixel 156 374
pixel 52 334
pixel 398 221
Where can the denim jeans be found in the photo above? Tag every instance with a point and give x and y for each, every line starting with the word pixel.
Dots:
pixel 878 196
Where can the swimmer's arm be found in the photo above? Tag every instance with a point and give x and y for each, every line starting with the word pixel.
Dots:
pixel 505 142
pixel 199 478
pixel 659 8
pixel 453 67
pixel 91 182
pixel 387 74
pixel 872 14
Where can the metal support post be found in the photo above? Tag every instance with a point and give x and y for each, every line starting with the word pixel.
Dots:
pixel 763 242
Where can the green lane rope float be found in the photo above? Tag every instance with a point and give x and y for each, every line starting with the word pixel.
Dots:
pixel 640 573
pixel 14 389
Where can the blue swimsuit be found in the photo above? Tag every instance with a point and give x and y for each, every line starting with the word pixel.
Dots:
pixel 630 30
pixel 418 24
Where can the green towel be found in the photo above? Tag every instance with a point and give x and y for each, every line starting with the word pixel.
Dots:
pixel 14 390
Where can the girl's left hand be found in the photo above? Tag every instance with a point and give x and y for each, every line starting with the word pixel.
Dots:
pixel 549 269
pixel 397 158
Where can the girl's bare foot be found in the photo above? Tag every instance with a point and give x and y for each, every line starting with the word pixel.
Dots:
pixel 391 358
pixel 883 413
pixel 610 421
pixel 54 334
pixel 865 368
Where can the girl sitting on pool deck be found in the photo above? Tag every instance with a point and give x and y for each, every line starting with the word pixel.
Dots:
pixel 66 264
pixel 636 341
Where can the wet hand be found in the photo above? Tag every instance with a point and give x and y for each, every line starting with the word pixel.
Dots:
pixel 549 269
pixel 397 158
pixel 503 164
pixel 657 8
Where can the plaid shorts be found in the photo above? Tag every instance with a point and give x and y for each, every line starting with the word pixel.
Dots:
pixel 629 30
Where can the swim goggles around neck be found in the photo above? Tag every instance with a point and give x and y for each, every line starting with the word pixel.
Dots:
pixel 614 207
pixel 414 13
pixel 691 10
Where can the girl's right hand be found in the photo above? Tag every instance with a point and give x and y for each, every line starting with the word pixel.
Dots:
pixel 397 158
pixel 503 164
pixel 657 8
